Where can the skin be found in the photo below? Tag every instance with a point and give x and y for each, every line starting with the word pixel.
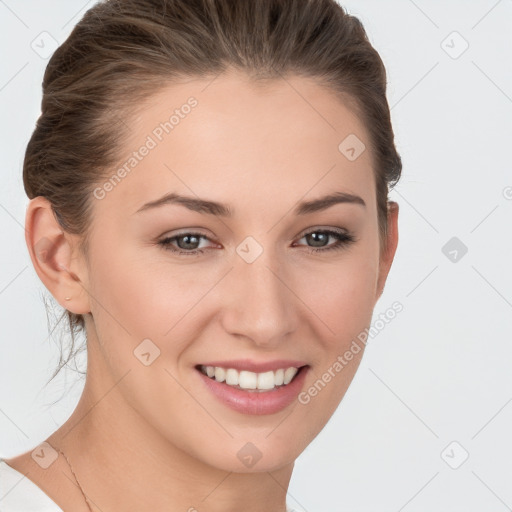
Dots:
pixel 152 437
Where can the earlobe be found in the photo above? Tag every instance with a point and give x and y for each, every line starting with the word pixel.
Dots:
pixel 51 254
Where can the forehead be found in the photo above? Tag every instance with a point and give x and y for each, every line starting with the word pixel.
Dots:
pixel 233 140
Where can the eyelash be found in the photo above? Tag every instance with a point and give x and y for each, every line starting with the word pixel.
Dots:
pixel 343 240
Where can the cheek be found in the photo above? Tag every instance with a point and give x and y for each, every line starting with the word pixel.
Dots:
pixel 138 299
pixel 343 300
pixel 343 297
pixel 343 294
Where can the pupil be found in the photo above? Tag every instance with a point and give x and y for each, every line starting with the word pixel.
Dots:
pixel 316 237
pixel 187 237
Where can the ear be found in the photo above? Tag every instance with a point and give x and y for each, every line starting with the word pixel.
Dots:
pixel 389 249
pixel 55 257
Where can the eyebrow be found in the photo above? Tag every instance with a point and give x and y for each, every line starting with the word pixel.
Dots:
pixel 223 210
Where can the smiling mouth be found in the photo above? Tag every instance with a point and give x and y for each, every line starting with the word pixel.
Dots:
pixel 251 381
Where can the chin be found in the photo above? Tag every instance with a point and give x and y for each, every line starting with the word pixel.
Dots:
pixel 254 453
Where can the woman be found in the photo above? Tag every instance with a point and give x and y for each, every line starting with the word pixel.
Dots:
pixel 209 201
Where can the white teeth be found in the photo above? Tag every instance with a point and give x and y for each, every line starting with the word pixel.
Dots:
pixel 247 380
pixel 220 374
pixel 289 374
pixel 231 377
pixel 250 380
pixel 266 380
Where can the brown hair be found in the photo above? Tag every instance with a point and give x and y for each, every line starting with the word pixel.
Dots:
pixel 122 51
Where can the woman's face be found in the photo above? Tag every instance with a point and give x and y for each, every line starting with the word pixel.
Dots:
pixel 243 289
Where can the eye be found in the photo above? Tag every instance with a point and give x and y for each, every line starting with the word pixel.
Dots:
pixel 188 243
pixel 320 237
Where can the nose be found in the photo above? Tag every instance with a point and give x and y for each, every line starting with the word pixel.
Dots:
pixel 259 303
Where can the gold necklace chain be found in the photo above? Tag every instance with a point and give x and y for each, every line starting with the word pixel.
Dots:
pixel 79 486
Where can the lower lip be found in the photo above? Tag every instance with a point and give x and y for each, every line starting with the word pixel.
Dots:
pixel 256 402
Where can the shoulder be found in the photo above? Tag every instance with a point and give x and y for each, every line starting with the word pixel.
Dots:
pixel 20 491
pixel 17 463
pixel 28 482
pixel 38 480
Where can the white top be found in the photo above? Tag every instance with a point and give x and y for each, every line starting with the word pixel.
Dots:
pixel 19 494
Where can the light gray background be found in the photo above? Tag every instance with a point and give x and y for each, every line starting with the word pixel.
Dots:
pixel 438 373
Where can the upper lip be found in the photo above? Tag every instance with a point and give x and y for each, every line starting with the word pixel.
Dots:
pixel 256 367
